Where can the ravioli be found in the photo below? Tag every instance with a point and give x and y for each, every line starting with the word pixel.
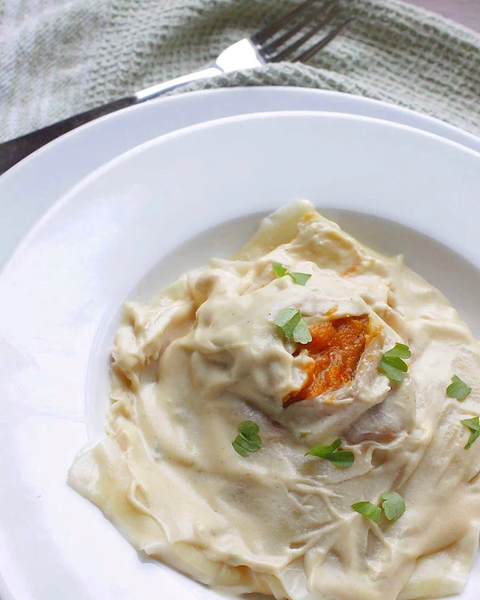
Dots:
pixel 205 356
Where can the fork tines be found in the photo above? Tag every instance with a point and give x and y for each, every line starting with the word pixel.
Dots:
pixel 308 18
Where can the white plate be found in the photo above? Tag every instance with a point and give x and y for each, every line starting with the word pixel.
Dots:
pixel 34 185
pixel 131 228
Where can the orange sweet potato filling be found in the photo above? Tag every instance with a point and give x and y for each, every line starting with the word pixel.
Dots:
pixel 336 348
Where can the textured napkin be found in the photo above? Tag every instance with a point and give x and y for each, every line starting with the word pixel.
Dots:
pixel 60 57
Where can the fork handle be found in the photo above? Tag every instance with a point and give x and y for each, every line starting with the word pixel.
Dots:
pixel 15 150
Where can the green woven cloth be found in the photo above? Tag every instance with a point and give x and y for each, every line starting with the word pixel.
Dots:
pixel 59 57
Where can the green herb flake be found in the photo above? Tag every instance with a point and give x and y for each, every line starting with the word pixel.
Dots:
pixel 298 278
pixel 301 333
pixel 474 426
pixel 458 389
pixel 400 351
pixel 368 510
pixel 340 458
pixel 287 320
pixel 248 439
pixel 293 326
pixel 279 269
pixel 323 451
pixel 393 505
pixel 392 364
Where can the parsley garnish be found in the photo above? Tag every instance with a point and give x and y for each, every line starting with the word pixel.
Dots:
pixel 392 364
pixel 248 440
pixel 393 505
pixel 293 326
pixel 474 426
pixel 281 271
pixel 368 510
pixel 458 389
pixel 300 278
pixel 339 458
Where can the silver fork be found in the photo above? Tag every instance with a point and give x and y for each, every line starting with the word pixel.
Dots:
pixel 284 39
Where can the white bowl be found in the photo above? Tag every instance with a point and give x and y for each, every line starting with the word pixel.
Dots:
pixel 130 229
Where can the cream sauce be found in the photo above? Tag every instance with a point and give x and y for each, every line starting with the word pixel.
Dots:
pixel 205 355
